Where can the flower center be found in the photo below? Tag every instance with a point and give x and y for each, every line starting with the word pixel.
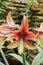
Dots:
pixel 22 34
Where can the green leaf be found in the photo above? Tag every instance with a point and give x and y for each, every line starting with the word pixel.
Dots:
pixel 30 0
pixel 4 3
pixel 2 10
pixel 38 59
pixel 18 57
pixel 1 63
pixel 40 17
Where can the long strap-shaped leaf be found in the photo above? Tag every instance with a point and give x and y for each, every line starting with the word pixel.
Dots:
pixel 1 63
pixel 38 59
pixel 4 58
pixel 18 57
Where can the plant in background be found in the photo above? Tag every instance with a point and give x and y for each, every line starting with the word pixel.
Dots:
pixel 3 4
pixel 26 10
pixel 9 26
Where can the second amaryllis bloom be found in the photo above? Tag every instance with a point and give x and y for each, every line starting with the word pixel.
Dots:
pixel 9 26
pixel 22 36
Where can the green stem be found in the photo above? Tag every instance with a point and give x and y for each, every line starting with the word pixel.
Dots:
pixel 24 59
pixel 4 58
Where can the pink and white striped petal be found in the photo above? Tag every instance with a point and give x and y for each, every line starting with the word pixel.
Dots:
pixel 10 20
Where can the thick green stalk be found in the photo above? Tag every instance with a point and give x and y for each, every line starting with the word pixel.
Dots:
pixel 24 58
pixel 4 58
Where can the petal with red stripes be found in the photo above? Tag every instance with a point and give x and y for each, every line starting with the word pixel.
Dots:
pixel 15 34
pixel 13 44
pixel 28 45
pixel 30 35
pixel 24 24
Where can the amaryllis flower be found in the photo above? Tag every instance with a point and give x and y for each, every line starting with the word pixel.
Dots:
pixel 9 26
pixel 22 36
pixel 40 29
